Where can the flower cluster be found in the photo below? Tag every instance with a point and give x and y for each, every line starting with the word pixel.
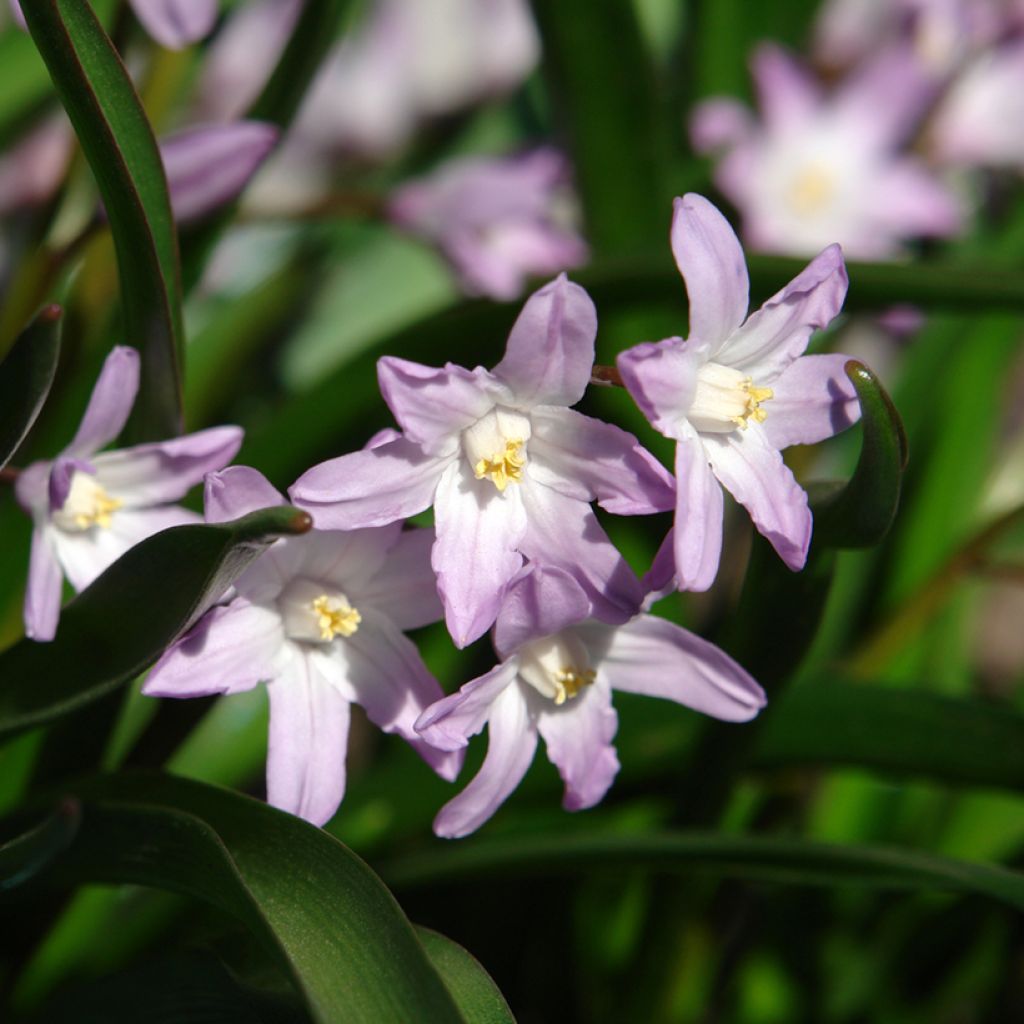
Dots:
pixel 511 471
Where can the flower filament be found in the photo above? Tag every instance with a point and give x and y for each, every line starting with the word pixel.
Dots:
pixel 502 468
pixel 87 505
pixel 335 616
pixel 725 400
pixel 557 667
pixel 495 447
pixel 314 613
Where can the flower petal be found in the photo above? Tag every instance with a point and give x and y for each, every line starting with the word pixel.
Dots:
pixel 237 491
pixel 660 659
pixel 433 406
pixel 550 351
pixel 754 473
pixel 662 378
pixel 307 742
pixel 540 601
pixel 477 549
pixel 710 259
pixel 579 738
pixel 229 650
pixel 786 93
pixel 387 677
pixel 813 399
pixel 110 403
pixel 588 459
pixel 718 123
pixel 373 487
pixel 908 200
pixel 511 742
pixel 176 23
pixel 43 591
pixel 449 723
pixel 405 586
pixel 150 474
pixel 779 331
pixel 698 522
pixel 566 534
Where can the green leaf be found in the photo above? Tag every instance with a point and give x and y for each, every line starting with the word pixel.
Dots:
pixel 860 514
pixel 119 144
pixel 332 926
pixel 760 858
pixel 120 624
pixel 907 732
pixel 26 374
pixel 475 994
pixel 25 856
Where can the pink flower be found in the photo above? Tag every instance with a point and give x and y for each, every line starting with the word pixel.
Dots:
pixel 738 390
pixel 556 679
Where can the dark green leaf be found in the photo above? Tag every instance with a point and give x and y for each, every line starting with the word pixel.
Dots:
pixel 120 624
pixel 119 144
pixel 25 378
pixel 25 856
pixel 475 994
pixel 860 514
pixel 331 924
pixel 761 858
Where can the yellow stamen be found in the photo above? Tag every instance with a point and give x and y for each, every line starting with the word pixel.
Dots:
pixel 753 411
pixel 569 682
pixel 335 618
pixel 503 468
pixel 812 189
pixel 100 514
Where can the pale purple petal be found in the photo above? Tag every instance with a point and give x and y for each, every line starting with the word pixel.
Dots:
pixel 62 474
pixel 405 586
pixel 150 474
pixel 450 722
pixel 908 200
pixel 697 532
pixel 711 261
pixel 660 659
pixel 210 165
pixel 477 550
pixel 43 591
pixel 387 677
pixel 32 486
pixel 511 742
pixel 660 580
pixel 588 459
pixel 176 23
pixel 579 738
pixel 229 650
pixel 550 350
pixel 813 399
pixel 662 378
pixel 754 473
pixel 432 405
pixel 237 491
pixel 540 601
pixel 779 331
pixel 373 487
pixel 110 403
pixel 350 559
pixel 566 534
pixel 307 742
pixel 786 93
pixel 719 123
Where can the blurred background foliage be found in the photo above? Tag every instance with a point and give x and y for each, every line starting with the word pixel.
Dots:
pixel 707 886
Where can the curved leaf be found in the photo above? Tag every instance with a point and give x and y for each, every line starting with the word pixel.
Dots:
pixel 760 858
pixel 860 514
pixel 120 624
pixel 475 994
pixel 26 855
pixel 119 144
pixel 25 378
pixel 333 927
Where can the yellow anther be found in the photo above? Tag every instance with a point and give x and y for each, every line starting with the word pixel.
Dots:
pixel 335 618
pixel 103 507
pixel 569 682
pixel 812 189
pixel 753 411
pixel 503 468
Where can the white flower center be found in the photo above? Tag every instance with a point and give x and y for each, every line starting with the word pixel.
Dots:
pixel 812 190
pixel 725 399
pixel 495 446
pixel 316 614
pixel 557 667
pixel 87 505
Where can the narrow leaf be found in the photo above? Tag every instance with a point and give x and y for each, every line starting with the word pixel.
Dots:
pixel 475 994
pixel 119 625
pixel 25 856
pixel 119 144
pixel 25 378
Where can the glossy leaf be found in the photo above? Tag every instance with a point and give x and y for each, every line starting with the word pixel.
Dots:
pixel 860 514
pixel 26 855
pixel 26 374
pixel 475 994
pixel 118 142
pixel 120 624
pixel 327 919
pixel 759 858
